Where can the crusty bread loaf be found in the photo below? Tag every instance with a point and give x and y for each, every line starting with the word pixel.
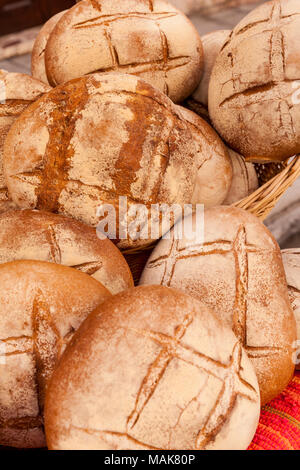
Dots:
pixel 38 68
pixel 152 368
pixel 41 306
pixel 94 139
pixel 151 39
pixel 212 44
pixel 254 88
pixel 214 175
pixel 237 271
pixel 244 179
pixel 17 92
pixel 38 235
pixel 291 262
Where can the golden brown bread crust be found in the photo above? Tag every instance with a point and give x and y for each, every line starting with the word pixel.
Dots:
pixel 152 368
pixel 42 236
pixel 97 138
pixel 42 304
pixel 18 91
pixel 38 68
pixel 136 37
pixel 238 272
pixel 254 89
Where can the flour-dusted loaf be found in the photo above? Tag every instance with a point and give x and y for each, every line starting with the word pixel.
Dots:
pixel 43 236
pixel 17 91
pixel 212 44
pixel 254 88
pixel 151 39
pixel 291 262
pixel 238 272
pixel 152 368
pixel 96 138
pixel 38 68
pixel 41 306
pixel 244 179
pixel 214 175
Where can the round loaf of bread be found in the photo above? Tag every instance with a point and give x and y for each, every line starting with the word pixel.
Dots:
pixel 254 88
pixel 212 44
pixel 151 39
pixel 38 68
pixel 214 174
pixel 42 305
pixel 17 91
pixel 38 235
pixel 237 270
pixel 291 262
pixel 94 139
pixel 152 368
pixel 244 179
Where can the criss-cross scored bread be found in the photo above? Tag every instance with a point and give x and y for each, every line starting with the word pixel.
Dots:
pixel 151 39
pixel 238 272
pixel 254 91
pixel 152 368
pixel 17 92
pixel 43 236
pixel 291 262
pixel 96 138
pixel 41 306
pixel 38 68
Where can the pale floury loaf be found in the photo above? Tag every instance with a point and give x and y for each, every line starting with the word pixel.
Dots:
pixel 17 92
pixel 43 236
pixel 212 44
pixel 214 175
pixel 38 68
pixel 237 271
pixel 254 88
pixel 171 376
pixel 41 306
pixel 151 39
pixel 244 179
pixel 291 262
pixel 94 139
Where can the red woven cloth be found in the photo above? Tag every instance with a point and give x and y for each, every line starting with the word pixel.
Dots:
pixel 279 424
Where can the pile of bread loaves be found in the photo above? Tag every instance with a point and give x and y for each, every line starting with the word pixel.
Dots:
pixel 186 359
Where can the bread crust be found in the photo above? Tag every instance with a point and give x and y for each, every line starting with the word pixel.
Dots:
pixel 38 67
pixel 42 304
pixel 238 272
pixel 244 179
pixel 291 262
pixel 18 91
pixel 97 138
pixel 135 37
pixel 43 236
pixel 254 89
pixel 212 160
pixel 152 368
pixel 212 44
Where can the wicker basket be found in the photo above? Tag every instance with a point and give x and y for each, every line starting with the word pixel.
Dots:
pixel 274 178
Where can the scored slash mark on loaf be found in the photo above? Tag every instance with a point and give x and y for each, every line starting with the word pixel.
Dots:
pixel 165 64
pixel 240 250
pixel 172 348
pixel 88 267
pixel 45 345
pixel 277 68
